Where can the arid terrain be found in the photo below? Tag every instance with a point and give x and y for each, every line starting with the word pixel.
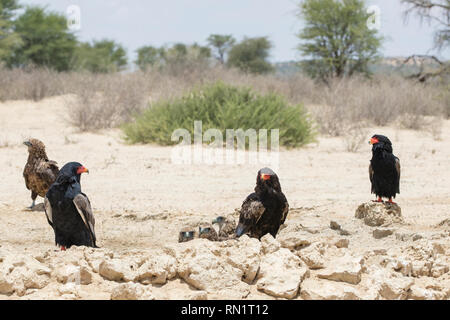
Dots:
pixel 141 200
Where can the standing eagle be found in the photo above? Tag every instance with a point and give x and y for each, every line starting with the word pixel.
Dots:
pixel 264 210
pixel 69 211
pixel 384 169
pixel 39 172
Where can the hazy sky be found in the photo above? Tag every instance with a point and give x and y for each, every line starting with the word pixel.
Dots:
pixel 135 23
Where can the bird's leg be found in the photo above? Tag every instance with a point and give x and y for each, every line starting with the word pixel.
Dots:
pixel 33 204
pixel 390 201
pixel 378 200
pixel 63 248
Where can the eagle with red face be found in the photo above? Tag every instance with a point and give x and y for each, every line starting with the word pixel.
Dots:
pixel 384 169
pixel 265 210
pixel 69 210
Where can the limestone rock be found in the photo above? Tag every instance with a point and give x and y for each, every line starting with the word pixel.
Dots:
pixel 377 214
pixel 131 291
pixel 71 273
pixel 281 274
pixel 420 293
pixel 342 243
pixel 389 285
pixel 294 237
pixel 117 269
pixel 382 233
pixel 157 269
pixel 313 255
pixel 327 290
pixel 346 269
pixel 201 263
pixel 269 244
pixel 245 254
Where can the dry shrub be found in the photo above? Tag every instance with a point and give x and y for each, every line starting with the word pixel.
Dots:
pixel 355 137
pixel 108 100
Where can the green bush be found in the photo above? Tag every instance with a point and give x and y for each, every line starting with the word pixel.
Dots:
pixel 222 107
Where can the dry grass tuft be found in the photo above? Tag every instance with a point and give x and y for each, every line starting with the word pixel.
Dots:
pixel 109 100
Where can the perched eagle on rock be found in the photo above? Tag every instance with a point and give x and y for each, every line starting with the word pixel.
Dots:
pixel 384 169
pixel 265 210
pixel 39 172
pixel 227 227
pixel 69 211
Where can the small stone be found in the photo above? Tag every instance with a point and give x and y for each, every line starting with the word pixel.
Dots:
pixel 334 225
pixel 382 233
pixel 342 243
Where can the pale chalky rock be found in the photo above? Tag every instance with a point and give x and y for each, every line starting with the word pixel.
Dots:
pixel 70 273
pixel 419 293
pixel 390 286
pixel 23 272
pixel 312 289
pixel 203 265
pixel 281 274
pixel 244 254
pixel 117 269
pixel 345 269
pixel 269 244
pixel 377 214
pixel 157 269
pixel 132 291
pixel 313 255
pixel 294 237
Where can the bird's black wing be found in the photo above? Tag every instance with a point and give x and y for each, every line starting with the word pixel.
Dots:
pixel 397 168
pixel 252 209
pixel 371 178
pixel 48 211
pixel 285 210
pixel 84 208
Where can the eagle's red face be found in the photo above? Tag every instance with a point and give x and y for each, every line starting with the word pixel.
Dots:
pixel 373 141
pixel 265 177
pixel 81 170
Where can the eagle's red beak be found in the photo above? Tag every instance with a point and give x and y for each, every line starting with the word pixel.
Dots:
pixel 265 176
pixel 81 170
pixel 373 141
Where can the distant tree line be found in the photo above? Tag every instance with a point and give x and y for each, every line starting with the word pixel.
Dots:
pixel 336 41
pixel 41 38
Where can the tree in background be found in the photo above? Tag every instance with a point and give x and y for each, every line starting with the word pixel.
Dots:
pixel 9 40
pixel 101 56
pixel 46 40
pixel 336 38
pixel 221 44
pixel 437 11
pixel 149 56
pixel 175 59
pixel 250 55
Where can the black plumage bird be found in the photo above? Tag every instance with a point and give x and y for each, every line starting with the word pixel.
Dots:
pixel 68 210
pixel 265 210
pixel 384 169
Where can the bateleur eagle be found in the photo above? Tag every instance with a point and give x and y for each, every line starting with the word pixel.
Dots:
pixel 384 169
pixel 265 210
pixel 69 211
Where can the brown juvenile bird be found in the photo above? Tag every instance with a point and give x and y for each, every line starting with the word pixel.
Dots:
pixel 227 227
pixel 207 231
pixel 40 172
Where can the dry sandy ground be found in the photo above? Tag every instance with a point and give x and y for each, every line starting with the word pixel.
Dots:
pixel 141 199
